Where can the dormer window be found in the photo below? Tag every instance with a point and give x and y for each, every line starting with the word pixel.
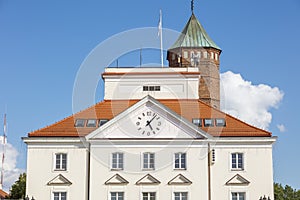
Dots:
pixel 208 122
pixel 220 122
pixel 197 122
pixel 91 123
pixel 102 122
pixel 79 122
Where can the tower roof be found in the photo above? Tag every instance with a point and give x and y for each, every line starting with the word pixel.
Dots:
pixel 194 35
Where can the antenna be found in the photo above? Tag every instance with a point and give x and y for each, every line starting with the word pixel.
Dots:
pixel 192 6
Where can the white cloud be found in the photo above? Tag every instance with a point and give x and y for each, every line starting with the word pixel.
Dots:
pixel 11 172
pixel 281 128
pixel 248 102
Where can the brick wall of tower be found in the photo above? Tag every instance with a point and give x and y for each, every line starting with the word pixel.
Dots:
pixel 208 62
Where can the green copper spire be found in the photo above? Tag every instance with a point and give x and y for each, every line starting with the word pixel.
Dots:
pixel 194 35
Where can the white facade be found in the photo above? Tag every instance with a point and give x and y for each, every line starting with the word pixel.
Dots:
pixel 128 83
pixel 90 174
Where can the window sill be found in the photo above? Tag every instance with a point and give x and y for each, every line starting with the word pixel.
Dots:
pixel 116 169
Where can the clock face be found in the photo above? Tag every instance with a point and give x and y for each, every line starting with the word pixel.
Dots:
pixel 148 123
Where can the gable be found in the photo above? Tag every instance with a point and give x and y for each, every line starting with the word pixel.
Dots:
pixel 179 180
pixel 237 180
pixel 148 180
pixel 59 180
pixel 116 180
pixel 148 119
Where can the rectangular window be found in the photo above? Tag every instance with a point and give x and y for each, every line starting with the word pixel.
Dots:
pixel 91 123
pixel 220 122
pixel 79 122
pixel 180 195
pixel 102 122
pixel 197 122
pixel 151 88
pixel 208 122
pixel 238 196
pixel 59 195
pixel 61 161
pixel 237 161
pixel 117 161
pixel 180 161
pixel 149 196
pixel 148 160
pixel 117 196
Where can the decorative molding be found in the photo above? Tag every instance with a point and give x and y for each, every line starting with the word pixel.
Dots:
pixel 59 180
pixel 237 180
pixel 116 180
pixel 148 180
pixel 179 180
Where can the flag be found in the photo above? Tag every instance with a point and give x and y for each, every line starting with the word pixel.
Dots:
pixel 160 23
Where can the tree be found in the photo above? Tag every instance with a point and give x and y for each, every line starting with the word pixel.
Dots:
pixel 285 193
pixel 18 189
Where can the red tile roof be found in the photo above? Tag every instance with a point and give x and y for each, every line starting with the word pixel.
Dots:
pixel 3 194
pixel 188 109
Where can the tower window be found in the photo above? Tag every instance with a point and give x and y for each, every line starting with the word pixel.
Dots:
pixel 216 56
pixel 212 55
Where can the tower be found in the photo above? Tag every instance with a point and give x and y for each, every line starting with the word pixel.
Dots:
pixel 194 48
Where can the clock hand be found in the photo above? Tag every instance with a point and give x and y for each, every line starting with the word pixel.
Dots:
pixel 148 122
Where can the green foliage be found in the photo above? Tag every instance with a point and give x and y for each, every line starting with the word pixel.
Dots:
pixel 286 192
pixel 18 189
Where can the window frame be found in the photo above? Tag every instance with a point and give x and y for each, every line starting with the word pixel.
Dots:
pixel 59 195
pixel 199 124
pixel 238 195
pixel 61 162
pixel 101 122
pixel 237 168
pixel 223 124
pixel 180 161
pixel 148 167
pixel 210 124
pixel 117 194
pixel 180 195
pixel 118 168
pixel 81 126
pixel 149 195
pixel 91 126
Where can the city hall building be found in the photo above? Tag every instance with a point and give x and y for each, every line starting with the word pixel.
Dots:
pixel 159 134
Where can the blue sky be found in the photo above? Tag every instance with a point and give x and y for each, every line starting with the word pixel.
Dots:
pixel 43 43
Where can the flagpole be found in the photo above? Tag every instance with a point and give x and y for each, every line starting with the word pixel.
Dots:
pixel 4 149
pixel 161 39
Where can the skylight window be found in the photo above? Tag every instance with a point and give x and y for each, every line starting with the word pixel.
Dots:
pixel 79 122
pixel 220 122
pixel 208 122
pixel 197 122
pixel 102 122
pixel 91 123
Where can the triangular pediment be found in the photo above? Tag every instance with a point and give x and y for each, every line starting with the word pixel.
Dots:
pixel 180 180
pixel 59 180
pixel 237 180
pixel 148 118
pixel 116 180
pixel 148 180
